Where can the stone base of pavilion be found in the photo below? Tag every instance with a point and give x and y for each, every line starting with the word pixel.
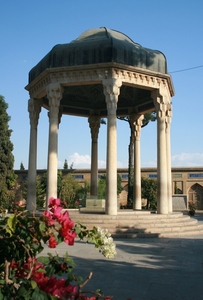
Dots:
pixel 94 205
pixel 138 224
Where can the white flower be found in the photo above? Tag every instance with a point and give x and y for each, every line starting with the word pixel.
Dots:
pixel 105 243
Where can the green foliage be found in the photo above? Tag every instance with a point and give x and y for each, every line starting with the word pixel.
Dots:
pixel 65 166
pixel 22 166
pixel 82 193
pixel 102 186
pixel 149 192
pixel 7 176
pixel 59 183
pixel 149 117
pixel 119 186
pixel 69 191
pixel 40 192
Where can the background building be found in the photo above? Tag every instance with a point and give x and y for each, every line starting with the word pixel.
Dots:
pixel 187 183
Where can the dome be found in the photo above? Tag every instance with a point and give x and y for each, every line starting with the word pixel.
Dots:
pixel 101 45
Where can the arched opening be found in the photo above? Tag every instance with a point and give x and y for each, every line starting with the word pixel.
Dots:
pixel 195 195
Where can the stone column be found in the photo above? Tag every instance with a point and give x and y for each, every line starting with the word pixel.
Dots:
pixel 54 95
pixel 94 124
pixel 168 155
pixel 162 173
pixel 111 92
pixel 34 109
pixel 136 121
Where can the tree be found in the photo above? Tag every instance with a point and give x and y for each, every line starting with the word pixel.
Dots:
pixel 69 191
pixel 102 186
pixel 65 166
pixel 7 175
pixel 83 191
pixel 151 116
pixel 149 192
pixel 22 166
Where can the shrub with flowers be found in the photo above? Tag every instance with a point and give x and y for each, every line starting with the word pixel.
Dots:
pixel 26 275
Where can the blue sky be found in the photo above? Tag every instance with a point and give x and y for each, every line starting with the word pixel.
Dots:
pixel 28 31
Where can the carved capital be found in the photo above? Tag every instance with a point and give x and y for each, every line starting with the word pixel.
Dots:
pixel 136 123
pixel 160 102
pixel 34 109
pixel 94 124
pixel 111 91
pixel 54 94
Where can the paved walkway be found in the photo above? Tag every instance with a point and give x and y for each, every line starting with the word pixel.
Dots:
pixel 144 268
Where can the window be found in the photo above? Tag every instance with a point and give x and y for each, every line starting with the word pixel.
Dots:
pixel 79 177
pixel 152 176
pixel 178 187
pixel 177 175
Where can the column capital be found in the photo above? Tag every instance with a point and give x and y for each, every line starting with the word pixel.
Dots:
pixel 34 109
pixel 136 123
pixel 160 102
pixel 94 124
pixel 111 89
pixel 54 92
pixel 54 95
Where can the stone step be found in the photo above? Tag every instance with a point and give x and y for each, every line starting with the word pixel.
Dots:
pixel 128 217
pixel 130 223
pixel 157 229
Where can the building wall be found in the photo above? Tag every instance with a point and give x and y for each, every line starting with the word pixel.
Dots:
pixel 185 181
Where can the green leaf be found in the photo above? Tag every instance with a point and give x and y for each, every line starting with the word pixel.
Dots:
pixel 33 284
pixel 42 226
pixel 50 255
pixel 39 295
pixel 1 295
pixel 50 270
pixel 44 260
pixel 11 224
pixel 41 270
pixel 23 292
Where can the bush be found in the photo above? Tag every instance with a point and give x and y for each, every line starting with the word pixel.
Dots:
pixel 24 275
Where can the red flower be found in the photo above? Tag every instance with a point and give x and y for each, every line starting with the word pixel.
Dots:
pixel 47 216
pixel 54 202
pixel 52 242
pixel 63 266
pixel 70 238
pixel 13 265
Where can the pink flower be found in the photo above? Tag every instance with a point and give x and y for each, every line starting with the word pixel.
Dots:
pixel 57 212
pixel 54 202
pixel 70 238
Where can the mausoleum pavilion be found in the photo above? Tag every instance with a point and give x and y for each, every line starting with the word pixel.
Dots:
pixel 102 74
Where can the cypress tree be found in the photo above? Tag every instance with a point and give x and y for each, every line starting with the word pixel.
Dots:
pixel 65 165
pixel 7 176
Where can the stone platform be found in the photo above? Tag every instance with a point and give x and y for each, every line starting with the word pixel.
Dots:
pixel 135 224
